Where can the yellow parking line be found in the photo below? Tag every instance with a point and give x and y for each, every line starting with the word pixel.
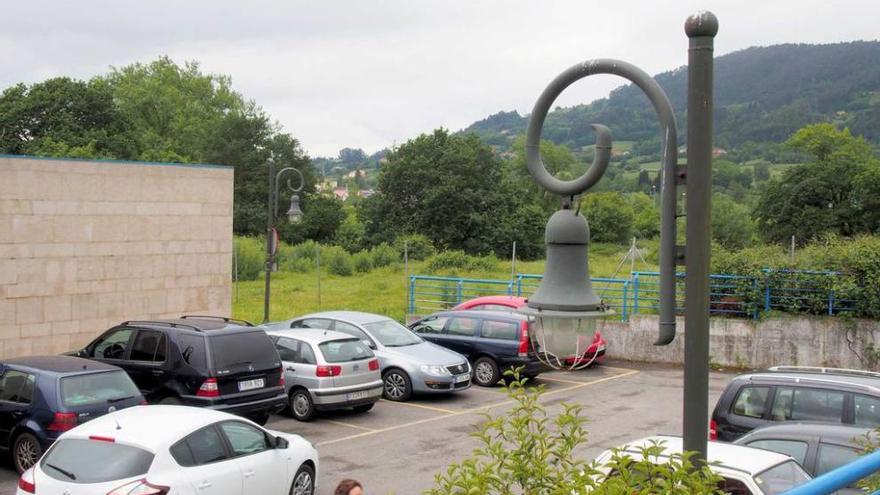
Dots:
pixel 559 380
pixel 466 411
pixel 421 406
pixel 349 425
pixel 488 390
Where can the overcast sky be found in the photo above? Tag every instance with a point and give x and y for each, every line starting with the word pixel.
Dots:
pixel 368 73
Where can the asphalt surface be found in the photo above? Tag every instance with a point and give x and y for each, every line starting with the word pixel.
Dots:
pixel 397 448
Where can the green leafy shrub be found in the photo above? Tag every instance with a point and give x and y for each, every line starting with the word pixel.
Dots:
pixel 457 260
pixel 418 246
pixel 527 451
pixel 251 255
pixel 383 255
pixel 337 261
pixel 306 250
pixel 363 262
pixel 350 235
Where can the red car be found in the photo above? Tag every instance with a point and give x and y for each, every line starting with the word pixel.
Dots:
pixel 509 303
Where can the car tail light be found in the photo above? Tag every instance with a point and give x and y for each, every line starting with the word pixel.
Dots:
pixel 63 421
pixel 713 430
pixel 209 388
pixel 97 438
pixel 524 339
pixel 374 365
pixel 140 487
pixel 281 380
pixel 27 483
pixel 328 371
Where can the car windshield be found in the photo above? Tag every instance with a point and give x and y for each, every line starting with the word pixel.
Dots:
pixel 340 351
pixel 97 388
pixel 781 478
pixel 77 460
pixel 392 334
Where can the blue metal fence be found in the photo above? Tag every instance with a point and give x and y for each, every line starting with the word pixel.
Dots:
pixel 734 296
pixel 841 477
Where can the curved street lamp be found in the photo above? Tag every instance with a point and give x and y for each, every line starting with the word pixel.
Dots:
pixel 294 215
pixel 565 307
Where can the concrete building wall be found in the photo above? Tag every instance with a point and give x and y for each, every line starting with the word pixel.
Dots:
pixel 795 340
pixel 85 245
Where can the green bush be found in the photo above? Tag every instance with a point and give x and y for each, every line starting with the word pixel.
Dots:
pixel 457 260
pixel 306 250
pixel 337 261
pixel 418 246
pixel 525 450
pixel 350 235
pixel 363 262
pixel 251 255
pixel 383 255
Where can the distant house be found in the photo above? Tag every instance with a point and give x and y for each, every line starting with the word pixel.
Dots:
pixel 716 152
pixel 341 193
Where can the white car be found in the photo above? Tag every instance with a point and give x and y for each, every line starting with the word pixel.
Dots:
pixel 744 470
pixel 164 450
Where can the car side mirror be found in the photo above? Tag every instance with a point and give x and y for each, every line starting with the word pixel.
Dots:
pixel 281 443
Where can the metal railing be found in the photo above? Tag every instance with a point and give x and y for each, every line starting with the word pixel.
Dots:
pixel 735 296
pixel 842 477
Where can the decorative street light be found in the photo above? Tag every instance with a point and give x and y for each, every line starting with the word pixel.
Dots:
pixel 565 307
pixel 294 215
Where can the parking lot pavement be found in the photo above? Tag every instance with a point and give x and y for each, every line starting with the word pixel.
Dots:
pixel 399 447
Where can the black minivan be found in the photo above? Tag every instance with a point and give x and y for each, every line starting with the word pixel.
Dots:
pixel 493 341
pixel 796 393
pixel 203 361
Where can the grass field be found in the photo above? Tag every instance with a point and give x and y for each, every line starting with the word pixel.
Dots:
pixel 383 290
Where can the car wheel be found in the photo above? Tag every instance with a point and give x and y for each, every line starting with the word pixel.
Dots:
pixel 170 401
pixel 363 408
pixel 303 481
pixel 301 405
pixel 486 372
pixel 259 418
pixel 397 388
pixel 26 451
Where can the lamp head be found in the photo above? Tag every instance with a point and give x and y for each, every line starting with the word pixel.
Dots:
pixel 294 213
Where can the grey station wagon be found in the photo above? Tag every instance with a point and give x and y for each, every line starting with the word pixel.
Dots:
pixel 327 370
pixel 408 363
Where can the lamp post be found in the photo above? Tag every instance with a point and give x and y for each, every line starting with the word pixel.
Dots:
pixel 294 215
pixel 565 307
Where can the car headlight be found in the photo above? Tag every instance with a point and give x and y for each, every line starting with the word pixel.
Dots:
pixel 435 370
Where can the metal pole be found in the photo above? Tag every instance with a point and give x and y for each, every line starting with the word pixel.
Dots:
pixel 270 224
pixel 318 270
pixel 406 278
pixel 513 262
pixel 701 28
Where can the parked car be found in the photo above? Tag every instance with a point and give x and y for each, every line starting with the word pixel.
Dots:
pixel 43 396
pixel 157 450
pixel 744 470
pixel 218 363
pixel 796 393
pixel 593 353
pixel 408 363
pixel 327 370
pixel 818 447
pixel 493 341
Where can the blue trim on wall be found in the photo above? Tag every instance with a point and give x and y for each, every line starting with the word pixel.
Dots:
pixel 121 162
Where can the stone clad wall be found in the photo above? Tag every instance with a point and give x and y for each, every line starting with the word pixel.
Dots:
pixel 85 245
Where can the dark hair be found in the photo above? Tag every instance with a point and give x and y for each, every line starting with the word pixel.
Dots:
pixel 346 486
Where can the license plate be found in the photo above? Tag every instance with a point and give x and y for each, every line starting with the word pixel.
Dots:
pixel 251 384
pixel 363 394
pixel 462 378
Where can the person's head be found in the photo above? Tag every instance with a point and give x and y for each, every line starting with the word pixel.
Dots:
pixel 349 487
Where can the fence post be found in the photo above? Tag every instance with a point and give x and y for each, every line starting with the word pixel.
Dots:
pixel 831 302
pixel 510 288
pixel 459 287
pixel 519 278
pixel 412 294
pixel 636 293
pixel 623 316
pixel 766 291
pixel 754 291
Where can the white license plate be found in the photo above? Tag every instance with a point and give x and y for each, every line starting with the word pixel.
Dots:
pixel 251 384
pixel 363 394
pixel 462 378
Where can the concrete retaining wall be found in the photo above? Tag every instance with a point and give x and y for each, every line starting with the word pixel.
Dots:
pixel 803 341
pixel 85 245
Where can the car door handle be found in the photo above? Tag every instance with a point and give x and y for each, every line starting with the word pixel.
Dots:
pixel 158 372
pixel 248 474
pixel 290 368
pixel 205 484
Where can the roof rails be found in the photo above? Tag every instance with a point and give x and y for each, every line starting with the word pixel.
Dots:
pixel 814 381
pixel 819 369
pixel 243 323
pixel 162 323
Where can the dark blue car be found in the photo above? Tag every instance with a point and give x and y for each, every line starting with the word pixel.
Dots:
pixel 43 396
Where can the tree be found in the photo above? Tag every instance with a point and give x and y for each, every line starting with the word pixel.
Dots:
pixel 646 216
pixel 322 217
pixel 761 171
pixel 558 160
pixel 440 185
pixel 609 215
pixel 732 225
pixel 833 193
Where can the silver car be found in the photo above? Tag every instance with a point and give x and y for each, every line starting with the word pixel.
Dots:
pixel 409 363
pixel 326 370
